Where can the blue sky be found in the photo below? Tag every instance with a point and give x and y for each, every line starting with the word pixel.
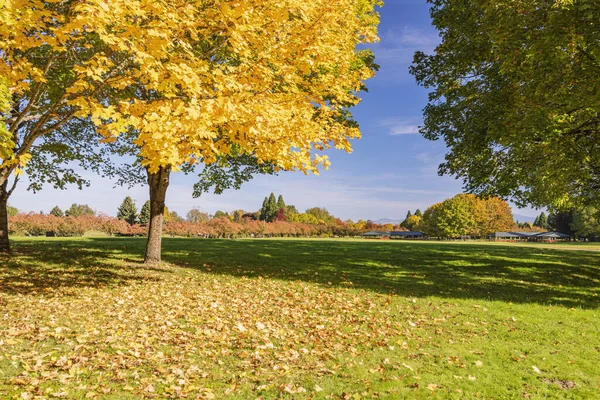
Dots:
pixel 392 169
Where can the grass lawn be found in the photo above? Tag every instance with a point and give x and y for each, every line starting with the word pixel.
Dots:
pixel 332 319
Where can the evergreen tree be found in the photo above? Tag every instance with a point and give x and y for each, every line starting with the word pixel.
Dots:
pixel 537 221
pixel 280 202
pixel 272 208
pixel 57 212
pixel 144 216
pixel 263 210
pixel 543 221
pixel 405 224
pixel 127 211
pixel 418 213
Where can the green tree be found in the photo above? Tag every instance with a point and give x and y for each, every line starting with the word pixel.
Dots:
pixel 174 217
pixel 280 202
pixel 586 223
pixel 195 216
pixel 404 223
pixel 238 215
pixel 264 209
pixel 412 223
pixel 57 212
pixel 513 92
pixel 320 213
pixel 12 211
pixel 144 216
pixel 418 213
pixel 290 210
pixel 128 211
pixel 78 210
pixel 561 221
pixel 542 221
pixel 221 214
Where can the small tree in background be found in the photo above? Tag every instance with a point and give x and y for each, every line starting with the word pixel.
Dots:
pixel 418 213
pixel 195 216
pixel 221 214
pixel 280 202
pixel 263 209
pixel 57 212
pixel 78 210
pixel 174 217
pixel 144 216
pixel 272 208
pixel 127 211
pixel 12 211
pixel 404 223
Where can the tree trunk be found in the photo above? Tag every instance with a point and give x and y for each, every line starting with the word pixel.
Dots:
pixel 158 182
pixel 4 243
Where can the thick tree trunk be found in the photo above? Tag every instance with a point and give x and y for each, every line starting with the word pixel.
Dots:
pixel 158 182
pixel 4 243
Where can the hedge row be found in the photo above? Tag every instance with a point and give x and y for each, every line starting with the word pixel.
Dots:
pixel 49 225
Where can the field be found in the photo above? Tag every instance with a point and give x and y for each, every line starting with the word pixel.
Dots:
pixel 332 319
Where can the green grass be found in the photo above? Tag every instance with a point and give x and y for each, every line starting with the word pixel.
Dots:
pixel 337 319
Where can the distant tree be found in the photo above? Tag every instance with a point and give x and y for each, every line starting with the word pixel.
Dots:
pixel 264 209
pixel 467 214
pixel 238 216
pixel 280 202
pixel 221 214
pixel 57 212
pixel 404 224
pixel 542 221
pixel 144 216
pixel 586 223
pixel 492 215
pixel 418 213
pixel 78 210
pixel 280 216
pixel 412 223
pixel 561 222
pixel 290 210
pixel 11 211
pixel 320 213
pixel 304 218
pixel 272 208
pixel 128 211
pixel 195 216
pixel 174 217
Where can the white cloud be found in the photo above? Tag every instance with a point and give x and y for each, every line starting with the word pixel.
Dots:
pixel 400 125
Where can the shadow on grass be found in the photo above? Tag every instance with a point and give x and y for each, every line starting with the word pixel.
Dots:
pixel 473 271
pixel 46 267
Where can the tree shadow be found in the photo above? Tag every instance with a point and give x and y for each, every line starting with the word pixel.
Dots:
pixel 37 268
pixel 517 274
pixel 463 271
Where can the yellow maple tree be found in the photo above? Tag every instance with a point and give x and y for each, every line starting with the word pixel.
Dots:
pixel 274 78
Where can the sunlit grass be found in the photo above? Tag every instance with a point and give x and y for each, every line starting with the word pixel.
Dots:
pixel 299 319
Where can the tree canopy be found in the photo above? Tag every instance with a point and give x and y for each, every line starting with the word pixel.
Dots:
pixel 514 94
pixel 466 214
pixel 128 211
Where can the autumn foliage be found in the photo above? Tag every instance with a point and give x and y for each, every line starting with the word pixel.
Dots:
pixel 49 225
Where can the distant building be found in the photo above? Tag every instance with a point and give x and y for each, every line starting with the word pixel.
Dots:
pixel 528 236
pixel 394 235
pixel 407 235
pixel 376 235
